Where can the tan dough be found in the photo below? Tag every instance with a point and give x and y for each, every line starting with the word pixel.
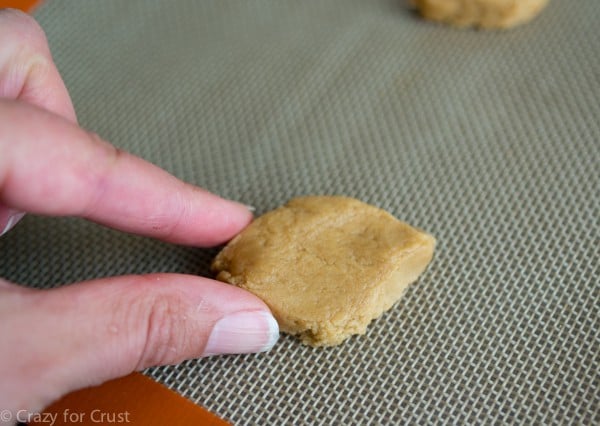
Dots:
pixel 480 13
pixel 325 265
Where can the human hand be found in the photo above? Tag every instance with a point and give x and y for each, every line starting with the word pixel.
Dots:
pixel 55 341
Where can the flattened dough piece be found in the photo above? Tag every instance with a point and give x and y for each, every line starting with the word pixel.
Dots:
pixel 325 265
pixel 480 13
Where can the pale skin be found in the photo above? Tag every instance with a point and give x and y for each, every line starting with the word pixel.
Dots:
pixel 56 341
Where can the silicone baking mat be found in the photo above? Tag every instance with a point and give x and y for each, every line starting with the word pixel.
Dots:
pixel 488 140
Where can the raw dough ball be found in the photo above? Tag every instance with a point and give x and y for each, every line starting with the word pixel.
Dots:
pixel 481 13
pixel 326 266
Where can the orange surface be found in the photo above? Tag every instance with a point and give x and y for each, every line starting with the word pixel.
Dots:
pixel 131 400
pixel 25 5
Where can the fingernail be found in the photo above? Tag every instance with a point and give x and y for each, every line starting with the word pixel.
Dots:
pixel 248 207
pixel 13 219
pixel 239 206
pixel 243 332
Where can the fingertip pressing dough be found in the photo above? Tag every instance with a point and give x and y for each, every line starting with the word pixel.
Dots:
pixel 480 13
pixel 325 265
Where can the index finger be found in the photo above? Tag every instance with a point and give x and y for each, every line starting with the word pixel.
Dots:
pixel 50 166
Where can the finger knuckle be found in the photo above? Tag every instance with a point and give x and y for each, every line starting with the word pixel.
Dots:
pixel 25 45
pixel 166 330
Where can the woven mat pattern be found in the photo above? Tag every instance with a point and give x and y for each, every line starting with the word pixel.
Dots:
pixel 488 140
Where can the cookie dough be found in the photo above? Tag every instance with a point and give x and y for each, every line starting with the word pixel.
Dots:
pixel 325 265
pixel 480 13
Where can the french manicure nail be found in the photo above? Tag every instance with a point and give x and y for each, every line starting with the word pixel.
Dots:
pixel 243 332
pixel 12 221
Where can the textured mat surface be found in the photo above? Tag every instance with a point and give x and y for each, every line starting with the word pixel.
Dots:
pixel 488 140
